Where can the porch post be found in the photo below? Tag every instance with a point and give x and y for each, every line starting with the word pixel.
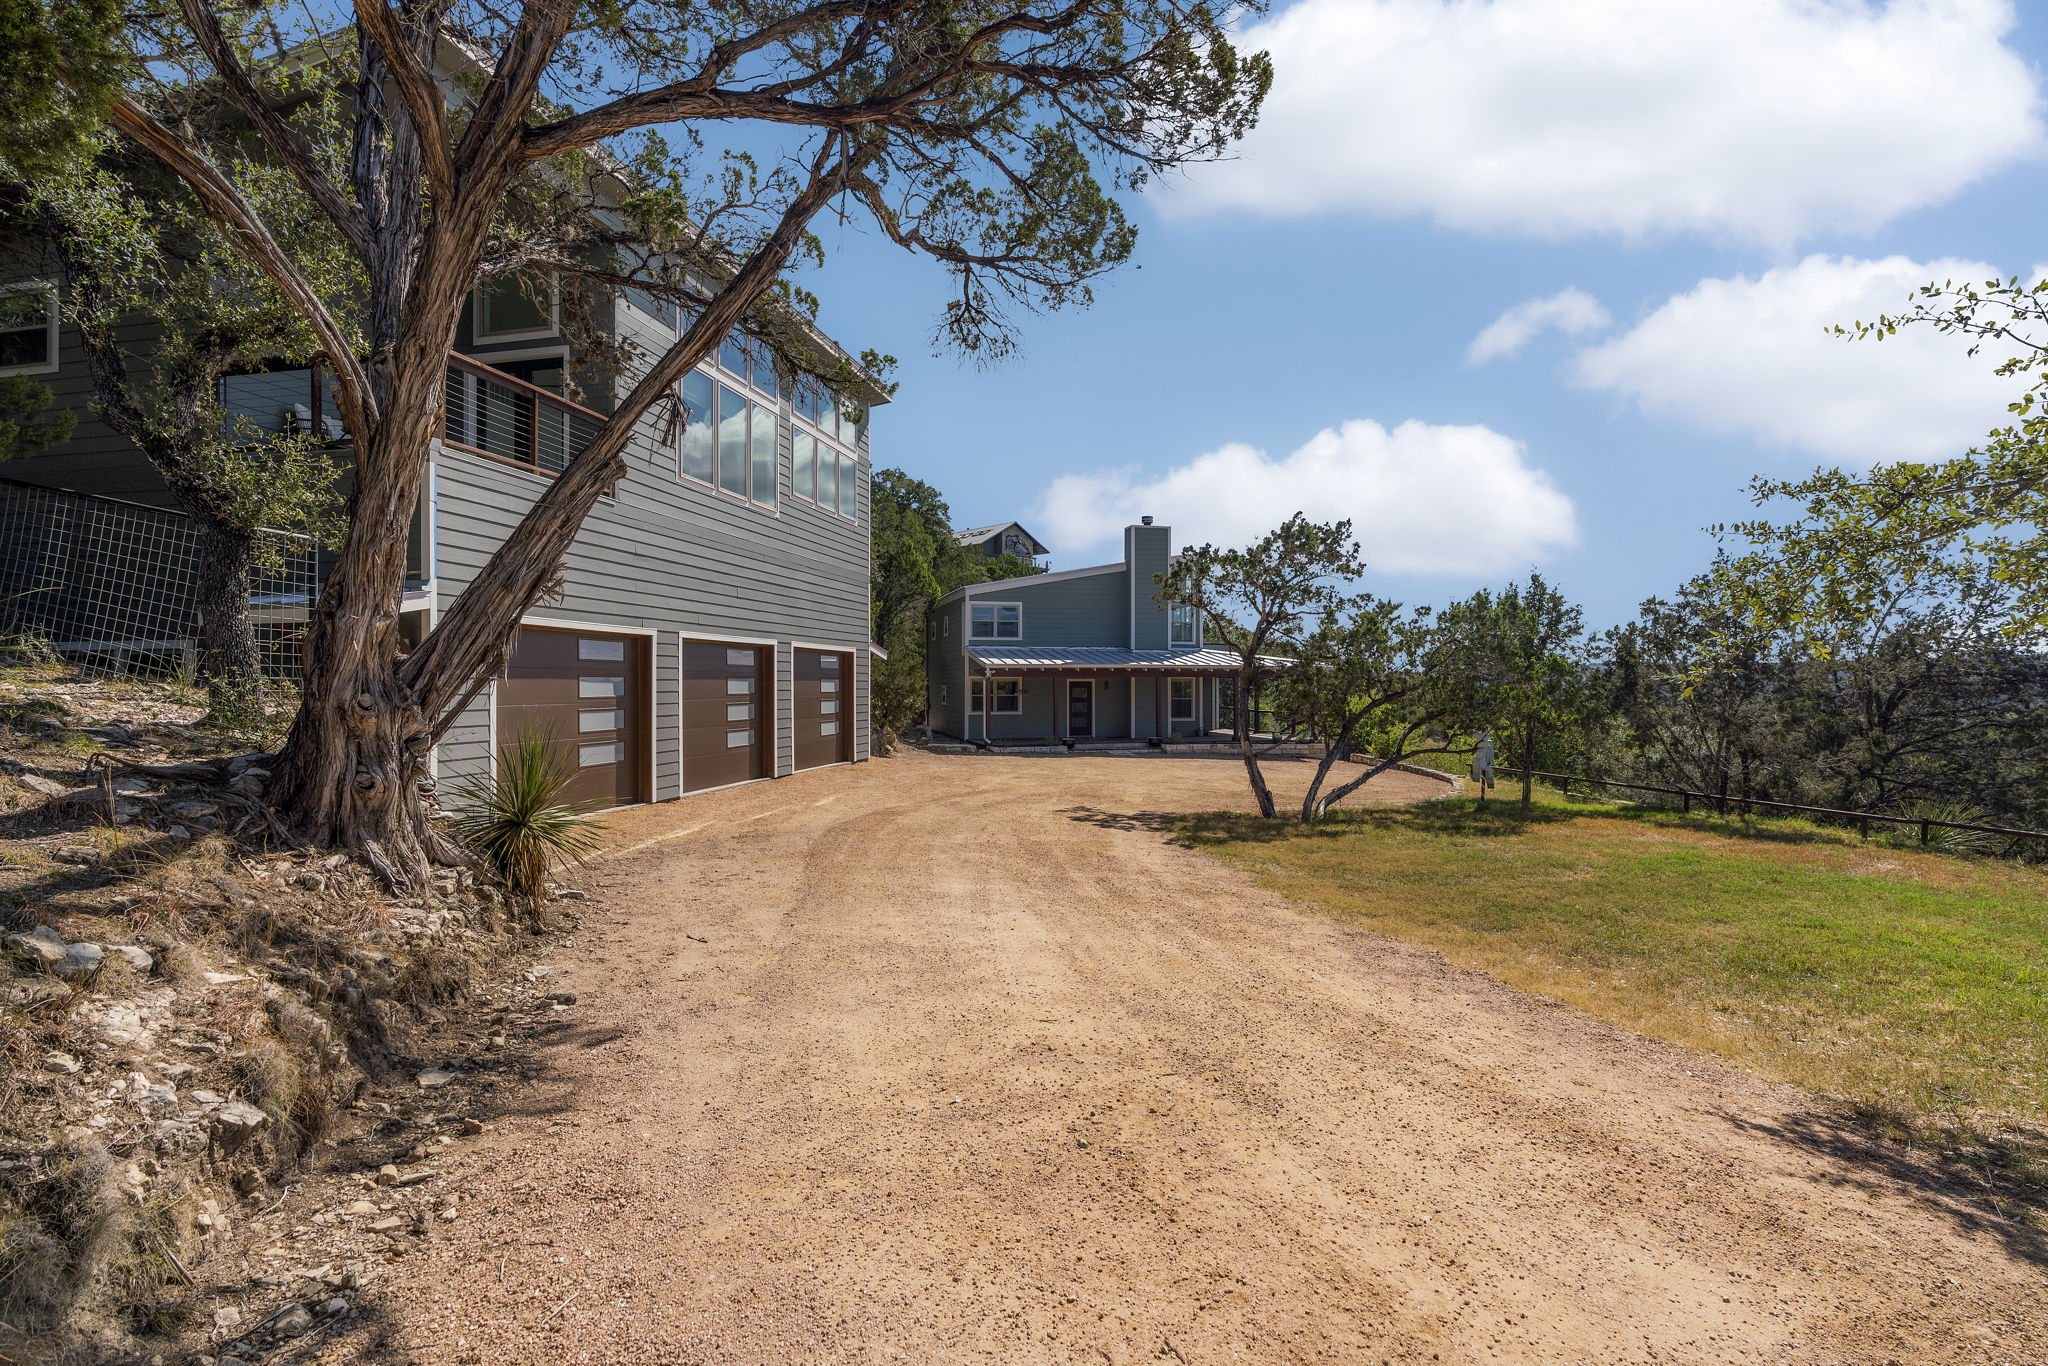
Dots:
pixel 988 685
pixel 1059 706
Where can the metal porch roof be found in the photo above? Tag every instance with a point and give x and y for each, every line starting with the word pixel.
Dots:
pixel 1106 657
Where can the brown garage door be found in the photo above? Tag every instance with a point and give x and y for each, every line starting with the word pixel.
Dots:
pixel 728 713
pixel 587 692
pixel 823 708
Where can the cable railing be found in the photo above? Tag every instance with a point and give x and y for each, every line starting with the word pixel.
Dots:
pixel 498 415
pixel 1719 803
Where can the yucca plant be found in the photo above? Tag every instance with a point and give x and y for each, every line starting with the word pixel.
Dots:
pixel 516 820
pixel 1953 841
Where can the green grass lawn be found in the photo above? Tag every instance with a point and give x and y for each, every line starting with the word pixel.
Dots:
pixel 1911 985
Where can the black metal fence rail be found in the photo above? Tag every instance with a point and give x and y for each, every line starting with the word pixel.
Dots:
pixel 1721 803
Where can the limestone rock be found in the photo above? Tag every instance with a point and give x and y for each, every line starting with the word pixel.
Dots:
pixel 135 957
pixel 42 945
pixel 235 1123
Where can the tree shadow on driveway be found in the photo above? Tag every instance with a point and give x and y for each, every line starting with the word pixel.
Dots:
pixel 1989 1188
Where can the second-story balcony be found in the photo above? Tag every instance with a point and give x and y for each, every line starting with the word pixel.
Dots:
pixel 488 412
pixel 491 413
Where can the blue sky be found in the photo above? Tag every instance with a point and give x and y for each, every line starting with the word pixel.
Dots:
pixel 1717 181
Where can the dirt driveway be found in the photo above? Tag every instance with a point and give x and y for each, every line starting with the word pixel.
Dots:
pixel 976 1067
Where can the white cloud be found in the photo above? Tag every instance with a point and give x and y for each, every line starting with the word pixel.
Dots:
pixel 1753 357
pixel 1766 120
pixel 1570 311
pixel 1422 499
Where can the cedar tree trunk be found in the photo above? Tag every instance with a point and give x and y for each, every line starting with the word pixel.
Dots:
pixel 228 662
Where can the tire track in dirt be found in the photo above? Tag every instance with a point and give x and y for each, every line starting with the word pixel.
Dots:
pixel 977 1067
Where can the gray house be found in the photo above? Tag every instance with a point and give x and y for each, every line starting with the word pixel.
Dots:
pixel 1005 538
pixel 1078 655
pixel 711 625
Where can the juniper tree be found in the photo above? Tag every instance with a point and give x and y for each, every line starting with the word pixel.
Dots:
pixel 994 137
pixel 1259 600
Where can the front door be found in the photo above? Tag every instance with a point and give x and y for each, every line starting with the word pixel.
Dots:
pixel 1080 708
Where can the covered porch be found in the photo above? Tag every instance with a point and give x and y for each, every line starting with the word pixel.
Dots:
pixel 1095 695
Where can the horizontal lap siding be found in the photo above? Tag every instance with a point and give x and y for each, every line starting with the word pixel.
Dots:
pixel 94 459
pixel 1092 610
pixel 681 558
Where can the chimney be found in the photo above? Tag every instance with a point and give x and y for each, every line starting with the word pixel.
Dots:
pixel 1148 548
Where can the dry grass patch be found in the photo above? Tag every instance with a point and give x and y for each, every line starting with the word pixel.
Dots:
pixel 1912 986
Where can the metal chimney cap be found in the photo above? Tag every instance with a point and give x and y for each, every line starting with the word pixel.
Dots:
pixel 1146 520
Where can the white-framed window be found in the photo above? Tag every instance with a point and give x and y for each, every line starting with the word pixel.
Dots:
pixel 518 307
pixel 1181 628
pixel 1008 698
pixel 727 439
pixel 825 450
pixel 1180 699
pixel 995 621
pixel 28 328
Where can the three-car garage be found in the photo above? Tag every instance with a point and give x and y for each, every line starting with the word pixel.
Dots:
pixel 742 710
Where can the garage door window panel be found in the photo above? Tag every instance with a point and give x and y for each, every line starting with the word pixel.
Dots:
pixel 596 719
pixel 724 741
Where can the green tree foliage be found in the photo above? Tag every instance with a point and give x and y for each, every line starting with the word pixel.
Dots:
pixel 916 562
pixel 1695 691
pixel 141 262
pixel 1853 539
pixel 1380 684
pixel 996 139
pixel 1930 701
pixel 1527 643
pixel 65 60
pixel 1262 600
pixel 28 424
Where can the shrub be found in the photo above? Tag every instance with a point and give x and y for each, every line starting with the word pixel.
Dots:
pixel 515 818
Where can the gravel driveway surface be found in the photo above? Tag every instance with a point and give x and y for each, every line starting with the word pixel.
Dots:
pixel 975 1066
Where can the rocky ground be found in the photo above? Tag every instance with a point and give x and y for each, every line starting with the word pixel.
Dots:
pixel 190 1010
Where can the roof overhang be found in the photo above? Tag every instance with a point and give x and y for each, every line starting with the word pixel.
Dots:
pixel 1107 659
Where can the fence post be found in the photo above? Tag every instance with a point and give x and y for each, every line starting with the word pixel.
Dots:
pixel 1865 824
pixel 1685 802
pixel 1926 828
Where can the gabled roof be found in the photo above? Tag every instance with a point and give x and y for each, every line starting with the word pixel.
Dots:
pixel 1032 580
pixel 976 535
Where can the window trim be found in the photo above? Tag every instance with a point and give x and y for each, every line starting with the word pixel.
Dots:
pixel 720 377
pixel 996 707
pixel 476 316
pixel 974 603
pixel 52 326
pixel 1194 700
pixel 798 423
pixel 1194 624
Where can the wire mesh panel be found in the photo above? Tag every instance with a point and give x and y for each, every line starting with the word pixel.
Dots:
pixel 108 585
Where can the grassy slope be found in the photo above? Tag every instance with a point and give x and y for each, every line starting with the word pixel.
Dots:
pixel 1908 983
